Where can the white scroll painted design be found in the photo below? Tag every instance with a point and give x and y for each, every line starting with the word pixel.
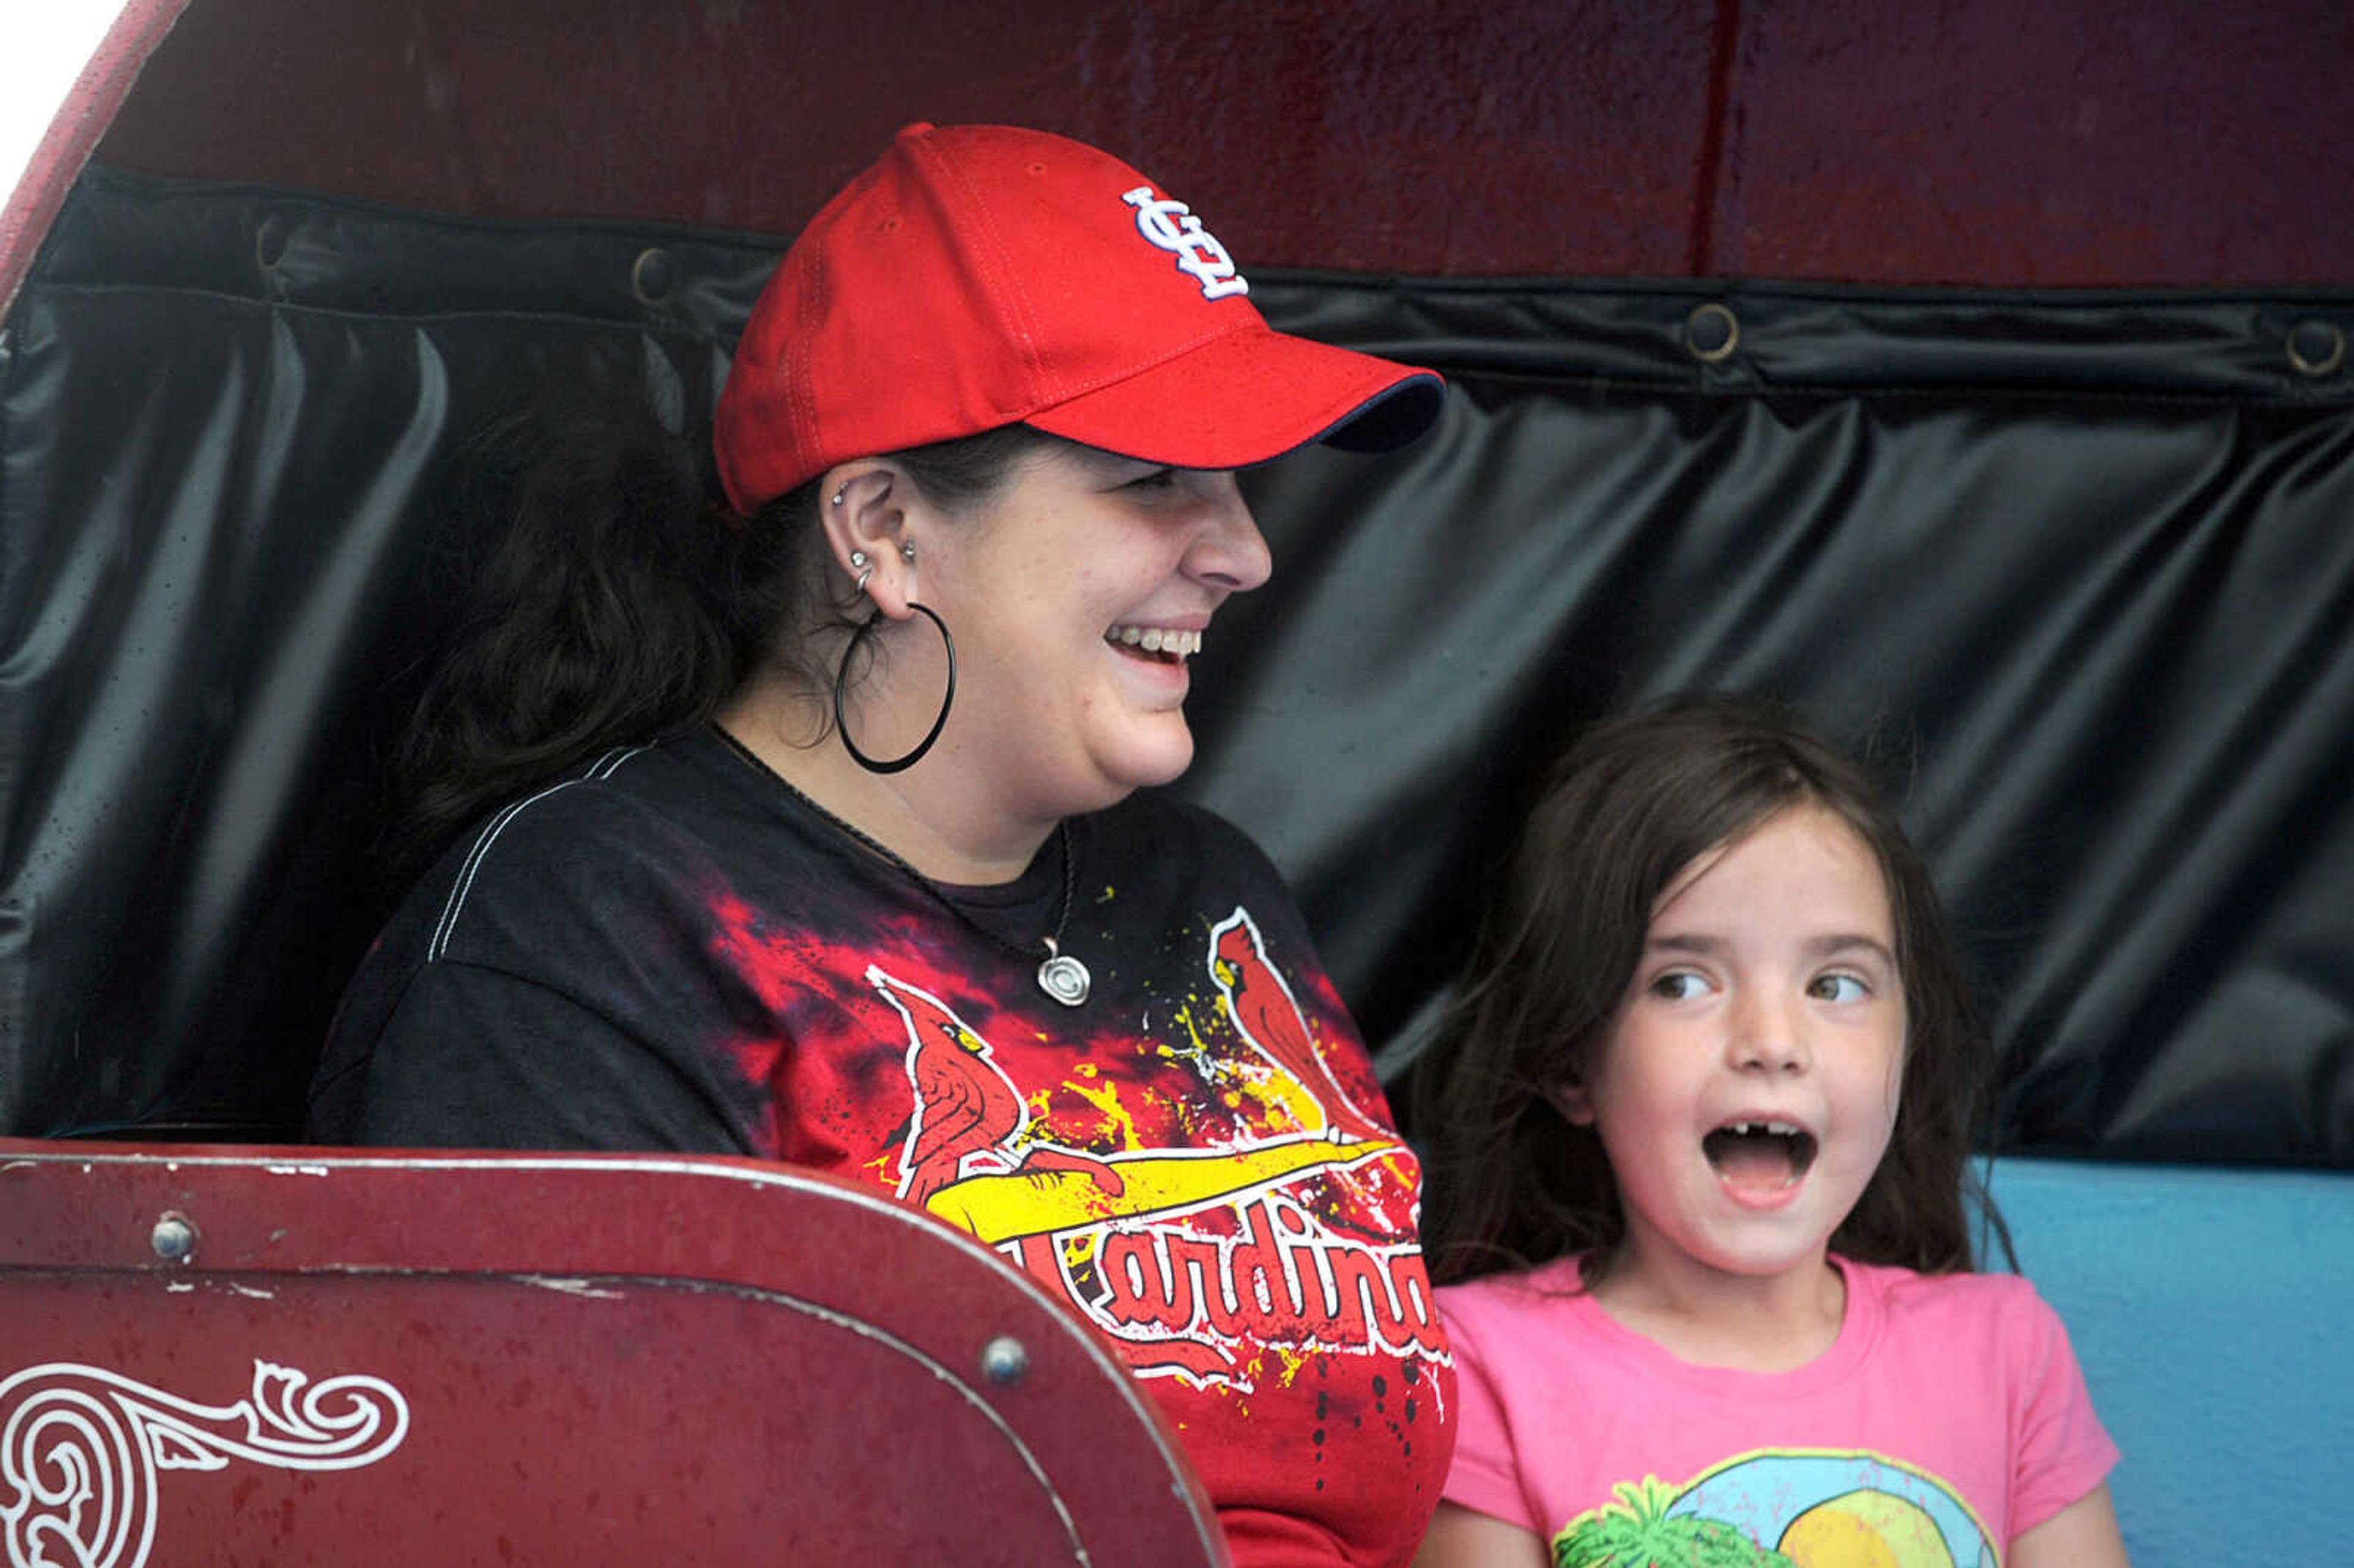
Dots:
pixel 80 1448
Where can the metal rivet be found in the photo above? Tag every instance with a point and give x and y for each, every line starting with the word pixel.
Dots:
pixel 652 276
pixel 174 1237
pixel 2316 348
pixel 269 241
pixel 1711 332
pixel 1003 1361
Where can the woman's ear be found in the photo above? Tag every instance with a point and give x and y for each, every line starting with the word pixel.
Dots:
pixel 1569 1097
pixel 863 507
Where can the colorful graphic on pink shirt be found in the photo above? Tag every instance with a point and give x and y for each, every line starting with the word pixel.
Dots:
pixel 1783 1509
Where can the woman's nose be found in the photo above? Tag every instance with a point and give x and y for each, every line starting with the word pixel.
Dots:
pixel 1229 551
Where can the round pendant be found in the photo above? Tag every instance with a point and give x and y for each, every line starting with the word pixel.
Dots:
pixel 1064 977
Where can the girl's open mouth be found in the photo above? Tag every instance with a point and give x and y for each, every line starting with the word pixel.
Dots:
pixel 1759 1156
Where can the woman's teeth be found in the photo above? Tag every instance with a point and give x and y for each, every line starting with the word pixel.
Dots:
pixel 1153 640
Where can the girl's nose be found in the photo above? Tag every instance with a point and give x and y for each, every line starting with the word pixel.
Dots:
pixel 1229 551
pixel 1767 1037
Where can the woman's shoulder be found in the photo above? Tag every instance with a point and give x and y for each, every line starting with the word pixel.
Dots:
pixel 621 826
pixel 599 791
pixel 686 785
pixel 554 830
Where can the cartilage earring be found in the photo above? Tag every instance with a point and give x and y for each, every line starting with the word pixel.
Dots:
pixel 840 493
pixel 908 552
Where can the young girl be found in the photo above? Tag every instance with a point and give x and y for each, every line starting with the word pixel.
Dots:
pixel 1699 1135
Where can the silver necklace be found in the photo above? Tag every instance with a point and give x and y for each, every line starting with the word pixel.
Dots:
pixel 1060 975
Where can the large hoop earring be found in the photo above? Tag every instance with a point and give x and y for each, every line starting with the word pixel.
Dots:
pixel 841 675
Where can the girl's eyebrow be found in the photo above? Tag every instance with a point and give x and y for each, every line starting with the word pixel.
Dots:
pixel 1852 941
pixel 1823 947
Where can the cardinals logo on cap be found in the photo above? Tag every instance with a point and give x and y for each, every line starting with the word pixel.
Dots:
pixel 1171 226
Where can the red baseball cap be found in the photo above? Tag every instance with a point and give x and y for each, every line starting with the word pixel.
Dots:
pixel 979 275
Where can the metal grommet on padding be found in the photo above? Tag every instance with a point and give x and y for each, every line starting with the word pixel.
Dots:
pixel 2316 348
pixel 1711 332
pixel 269 241
pixel 652 276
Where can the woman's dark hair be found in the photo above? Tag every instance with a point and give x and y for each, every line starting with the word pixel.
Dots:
pixel 1511 1183
pixel 621 603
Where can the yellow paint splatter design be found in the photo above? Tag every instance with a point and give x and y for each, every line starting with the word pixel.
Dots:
pixel 1185 1021
pixel 1294 1362
pixel 1285 1099
pixel 1117 1122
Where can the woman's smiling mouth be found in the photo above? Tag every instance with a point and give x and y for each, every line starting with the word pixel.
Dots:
pixel 1165 646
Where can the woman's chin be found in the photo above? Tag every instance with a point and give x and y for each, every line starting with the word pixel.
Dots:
pixel 1159 753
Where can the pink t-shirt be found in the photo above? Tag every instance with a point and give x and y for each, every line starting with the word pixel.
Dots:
pixel 1949 1417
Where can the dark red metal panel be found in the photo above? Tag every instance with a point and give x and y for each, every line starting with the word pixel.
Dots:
pixel 2028 144
pixel 1417 136
pixel 297 1355
pixel 2062 142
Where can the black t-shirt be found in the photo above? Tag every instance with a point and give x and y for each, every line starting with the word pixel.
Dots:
pixel 673 951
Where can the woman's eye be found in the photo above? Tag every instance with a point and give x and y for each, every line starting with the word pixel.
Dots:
pixel 1160 479
pixel 1841 987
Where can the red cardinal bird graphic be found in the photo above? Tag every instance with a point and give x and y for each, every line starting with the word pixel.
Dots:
pixel 1264 1011
pixel 964 1102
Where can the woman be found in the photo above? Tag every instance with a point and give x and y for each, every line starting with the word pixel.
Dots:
pixel 816 835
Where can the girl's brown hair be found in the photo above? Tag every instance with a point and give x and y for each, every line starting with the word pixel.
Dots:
pixel 1512 1183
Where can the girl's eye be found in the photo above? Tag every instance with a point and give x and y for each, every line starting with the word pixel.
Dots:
pixel 1840 987
pixel 1158 480
pixel 1679 985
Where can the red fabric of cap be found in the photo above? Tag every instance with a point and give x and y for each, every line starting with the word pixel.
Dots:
pixel 979 275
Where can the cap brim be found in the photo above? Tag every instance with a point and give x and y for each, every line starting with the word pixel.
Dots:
pixel 1245 397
